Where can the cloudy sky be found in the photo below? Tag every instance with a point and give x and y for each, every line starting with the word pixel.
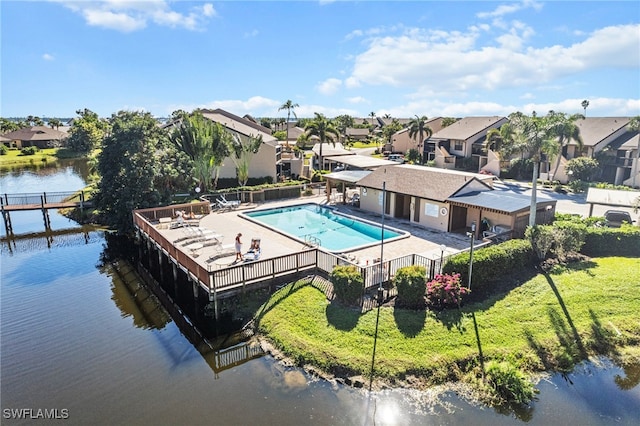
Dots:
pixel 334 57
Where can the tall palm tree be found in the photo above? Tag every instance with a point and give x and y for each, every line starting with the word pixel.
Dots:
pixel 289 106
pixel 324 129
pixel 503 141
pixel 585 104
pixel 566 130
pixel 373 117
pixel 418 126
pixel 539 138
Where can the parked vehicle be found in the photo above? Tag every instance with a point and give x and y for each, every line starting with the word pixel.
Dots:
pixel 615 218
pixel 399 158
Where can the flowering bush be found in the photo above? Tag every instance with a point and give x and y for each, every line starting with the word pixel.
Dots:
pixel 446 290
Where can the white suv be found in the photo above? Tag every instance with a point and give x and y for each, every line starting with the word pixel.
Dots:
pixel 398 158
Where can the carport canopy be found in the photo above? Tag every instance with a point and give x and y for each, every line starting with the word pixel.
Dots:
pixel 610 197
pixel 361 161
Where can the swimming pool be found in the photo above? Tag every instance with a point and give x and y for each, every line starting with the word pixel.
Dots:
pixel 333 231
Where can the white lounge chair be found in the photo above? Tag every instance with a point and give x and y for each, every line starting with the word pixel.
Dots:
pixel 224 203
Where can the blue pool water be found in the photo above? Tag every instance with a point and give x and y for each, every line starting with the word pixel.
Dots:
pixel 333 231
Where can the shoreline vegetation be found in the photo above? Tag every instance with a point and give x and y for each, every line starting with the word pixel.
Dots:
pixel 549 323
pixel 14 159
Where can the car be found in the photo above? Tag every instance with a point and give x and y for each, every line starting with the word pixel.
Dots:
pixel 615 218
pixel 398 158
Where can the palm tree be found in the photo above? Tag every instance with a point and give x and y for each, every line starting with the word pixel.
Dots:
pixel 289 106
pixel 539 138
pixel 566 131
pixel 243 148
pixel 206 143
pixel 373 116
pixel 585 104
pixel 503 141
pixel 418 126
pixel 324 129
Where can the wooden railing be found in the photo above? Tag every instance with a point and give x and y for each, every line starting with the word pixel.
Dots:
pixel 246 274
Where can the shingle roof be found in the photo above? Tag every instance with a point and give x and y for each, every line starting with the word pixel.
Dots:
pixel 467 127
pixel 361 161
pixel 239 124
pixel 424 182
pixel 594 130
pixel 35 133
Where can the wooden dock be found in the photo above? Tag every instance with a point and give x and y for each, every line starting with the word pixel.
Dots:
pixel 43 201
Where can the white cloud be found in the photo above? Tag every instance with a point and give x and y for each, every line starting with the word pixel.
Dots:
pixel 356 100
pixel 455 61
pixel 128 16
pixel 329 86
pixel 507 9
pixel 48 57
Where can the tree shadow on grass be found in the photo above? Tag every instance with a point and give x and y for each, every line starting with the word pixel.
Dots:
pixel 450 318
pixel 342 317
pixel 410 322
pixel 281 294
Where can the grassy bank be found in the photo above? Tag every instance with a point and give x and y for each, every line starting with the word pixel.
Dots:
pixel 13 159
pixel 550 322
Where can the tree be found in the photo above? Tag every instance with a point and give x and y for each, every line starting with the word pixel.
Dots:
pixel 373 117
pixel 583 168
pixel 566 131
pixel 289 106
pixel 54 123
pixel 585 104
pixel 243 149
pixel 324 130
pixel 390 129
pixel 130 167
pixel 448 121
pixel 418 127
pixel 7 126
pixel 343 122
pixel 537 138
pixel 206 143
pixel 86 132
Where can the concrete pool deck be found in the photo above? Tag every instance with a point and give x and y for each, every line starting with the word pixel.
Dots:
pixel 227 224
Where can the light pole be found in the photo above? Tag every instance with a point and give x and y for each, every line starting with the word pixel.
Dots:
pixel 442 249
pixel 471 234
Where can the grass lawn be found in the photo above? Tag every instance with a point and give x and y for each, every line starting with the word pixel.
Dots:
pixel 550 322
pixel 13 159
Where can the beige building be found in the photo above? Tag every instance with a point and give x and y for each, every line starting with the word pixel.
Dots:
pixel 402 143
pixel 448 200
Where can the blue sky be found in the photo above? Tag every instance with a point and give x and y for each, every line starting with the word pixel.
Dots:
pixel 334 57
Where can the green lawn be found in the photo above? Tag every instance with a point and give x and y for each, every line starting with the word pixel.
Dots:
pixel 13 159
pixel 549 322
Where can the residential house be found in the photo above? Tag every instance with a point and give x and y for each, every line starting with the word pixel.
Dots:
pixel 601 136
pixel 38 136
pixel 462 142
pixel 448 200
pixel 401 142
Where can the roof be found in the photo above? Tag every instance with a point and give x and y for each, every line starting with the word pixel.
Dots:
pixel 361 161
pixel 329 149
pixel 35 133
pixel 350 176
pixel 468 127
pixel 354 131
pixel 424 182
pixel 502 201
pixel 594 130
pixel 611 197
pixel 239 124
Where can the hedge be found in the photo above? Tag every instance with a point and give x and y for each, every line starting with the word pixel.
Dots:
pixel 348 284
pixel 492 263
pixel 412 286
pixel 623 241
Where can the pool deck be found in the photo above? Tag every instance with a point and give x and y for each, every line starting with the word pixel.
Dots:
pixel 226 224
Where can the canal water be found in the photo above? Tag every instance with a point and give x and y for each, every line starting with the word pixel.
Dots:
pixel 81 342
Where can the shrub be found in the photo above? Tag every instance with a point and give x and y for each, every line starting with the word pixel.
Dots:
pixel 582 168
pixel 623 241
pixel 492 264
pixel 3 149
pixel 578 186
pixel 446 290
pixel 557 240
pixel 509 383
pixel 29 150
pixel 410 282
pixel 347 283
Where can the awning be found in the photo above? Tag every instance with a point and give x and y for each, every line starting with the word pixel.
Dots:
pixel 611 197
pixel 498 201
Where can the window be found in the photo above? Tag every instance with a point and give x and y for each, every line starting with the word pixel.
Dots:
pixel 457 145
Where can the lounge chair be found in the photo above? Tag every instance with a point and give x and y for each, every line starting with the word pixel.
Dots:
pixel 225 204
pixel 254 251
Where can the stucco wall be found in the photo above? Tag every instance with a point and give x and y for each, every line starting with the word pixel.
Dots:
pixel 263 163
